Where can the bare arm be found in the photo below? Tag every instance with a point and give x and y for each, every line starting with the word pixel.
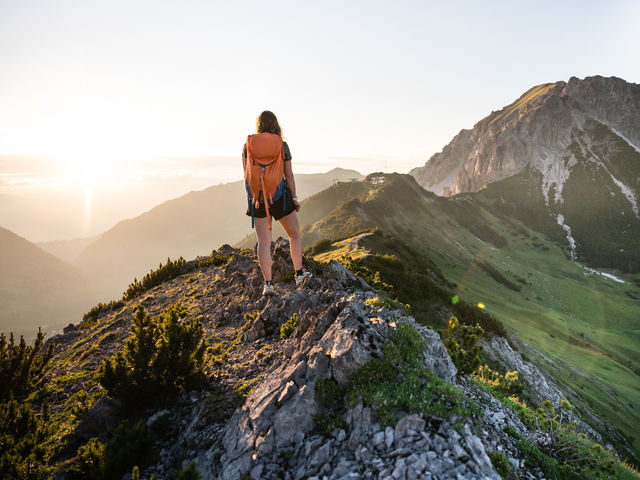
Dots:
pixel 288 175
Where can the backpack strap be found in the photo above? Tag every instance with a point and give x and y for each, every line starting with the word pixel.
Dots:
pixel 266 201
pixel 249 155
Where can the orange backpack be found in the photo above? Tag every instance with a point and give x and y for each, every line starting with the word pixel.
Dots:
pixel 264 171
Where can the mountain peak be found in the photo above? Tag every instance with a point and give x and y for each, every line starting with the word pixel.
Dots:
pixel 535 129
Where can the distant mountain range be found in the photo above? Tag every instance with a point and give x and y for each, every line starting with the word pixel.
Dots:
pixel 38 289
pixel 564 158
pixel 190 225
pixel 53 283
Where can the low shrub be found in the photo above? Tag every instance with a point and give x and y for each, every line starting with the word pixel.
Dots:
pixel 129 446
pixel 509 383
pixel 89 318
pixel 461 342
pixel 501 464
pixel 395 384
pixel 170 270
pixel 162 357
pixel 190 472
pixel 289 326
pixel 216 259
pixel 22 366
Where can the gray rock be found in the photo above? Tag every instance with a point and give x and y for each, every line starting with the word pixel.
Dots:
pixel 296 414
pixel 321 456
pixel 311 445
pixel 157 417
pixel 318 365
pixel 436 357
pixel 289 390
pixel 388 437
pixel 400 470
pixel 459 453
pixel 338 277
pixel 419 462
pixel 478 454
pixel 378 439
pixel 407 423
pixel 101 419
pixel 340 435
pixel 256 472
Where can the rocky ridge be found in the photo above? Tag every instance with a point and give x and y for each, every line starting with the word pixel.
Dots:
pixel 537 130
pixel 565 159
pixel 272 433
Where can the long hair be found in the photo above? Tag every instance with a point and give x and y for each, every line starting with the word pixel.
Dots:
pixel 268 123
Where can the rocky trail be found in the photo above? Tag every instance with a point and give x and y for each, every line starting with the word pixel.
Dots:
pixel 258 417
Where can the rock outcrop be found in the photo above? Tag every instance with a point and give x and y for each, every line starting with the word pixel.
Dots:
pixel 257 419
pixel 536 129
pixel 564 159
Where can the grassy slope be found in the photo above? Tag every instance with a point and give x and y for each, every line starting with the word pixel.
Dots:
pixel 585 324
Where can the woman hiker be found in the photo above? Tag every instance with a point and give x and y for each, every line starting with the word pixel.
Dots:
pixel 271 192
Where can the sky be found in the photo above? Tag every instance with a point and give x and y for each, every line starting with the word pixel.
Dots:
pixel 97 93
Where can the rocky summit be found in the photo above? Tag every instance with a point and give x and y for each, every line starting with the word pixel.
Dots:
pixel 537 129
pixel 564 158
pixel 326 380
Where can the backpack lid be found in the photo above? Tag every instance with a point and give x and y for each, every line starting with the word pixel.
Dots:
pixel 265 146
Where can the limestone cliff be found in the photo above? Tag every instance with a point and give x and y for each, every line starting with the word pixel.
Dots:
pixel 565 156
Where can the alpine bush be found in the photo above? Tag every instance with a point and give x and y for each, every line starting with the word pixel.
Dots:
pixel 161 357
pixel 129 446
pixel 289 326
pixel 22 366
pixel 170 270
pixel 394 384
pixel 22 435
pixel 461 342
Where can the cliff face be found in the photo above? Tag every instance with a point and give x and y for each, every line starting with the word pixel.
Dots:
pixel 537 129
pixel 276 407
pixel 574 150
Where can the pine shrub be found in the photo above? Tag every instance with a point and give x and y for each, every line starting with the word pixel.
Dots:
pixel 160 358
pixel 461 342
pixel 22 366
pixel 128 446
pixel 289 326
pixel 216 259
pixel 170 270
pixel 22 438
pixel 89 318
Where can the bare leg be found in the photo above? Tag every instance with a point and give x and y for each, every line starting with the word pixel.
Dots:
pixel 264 247
pixel 290 225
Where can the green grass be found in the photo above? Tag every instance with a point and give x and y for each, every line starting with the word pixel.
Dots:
pixel 582 323
pixel 395 385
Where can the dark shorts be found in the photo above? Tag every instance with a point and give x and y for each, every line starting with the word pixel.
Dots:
pixel 280 208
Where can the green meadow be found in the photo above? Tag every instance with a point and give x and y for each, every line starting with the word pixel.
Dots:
pixel 585 326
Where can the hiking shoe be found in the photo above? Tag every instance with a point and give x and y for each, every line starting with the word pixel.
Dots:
pixel 300 278
pixel 268 289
